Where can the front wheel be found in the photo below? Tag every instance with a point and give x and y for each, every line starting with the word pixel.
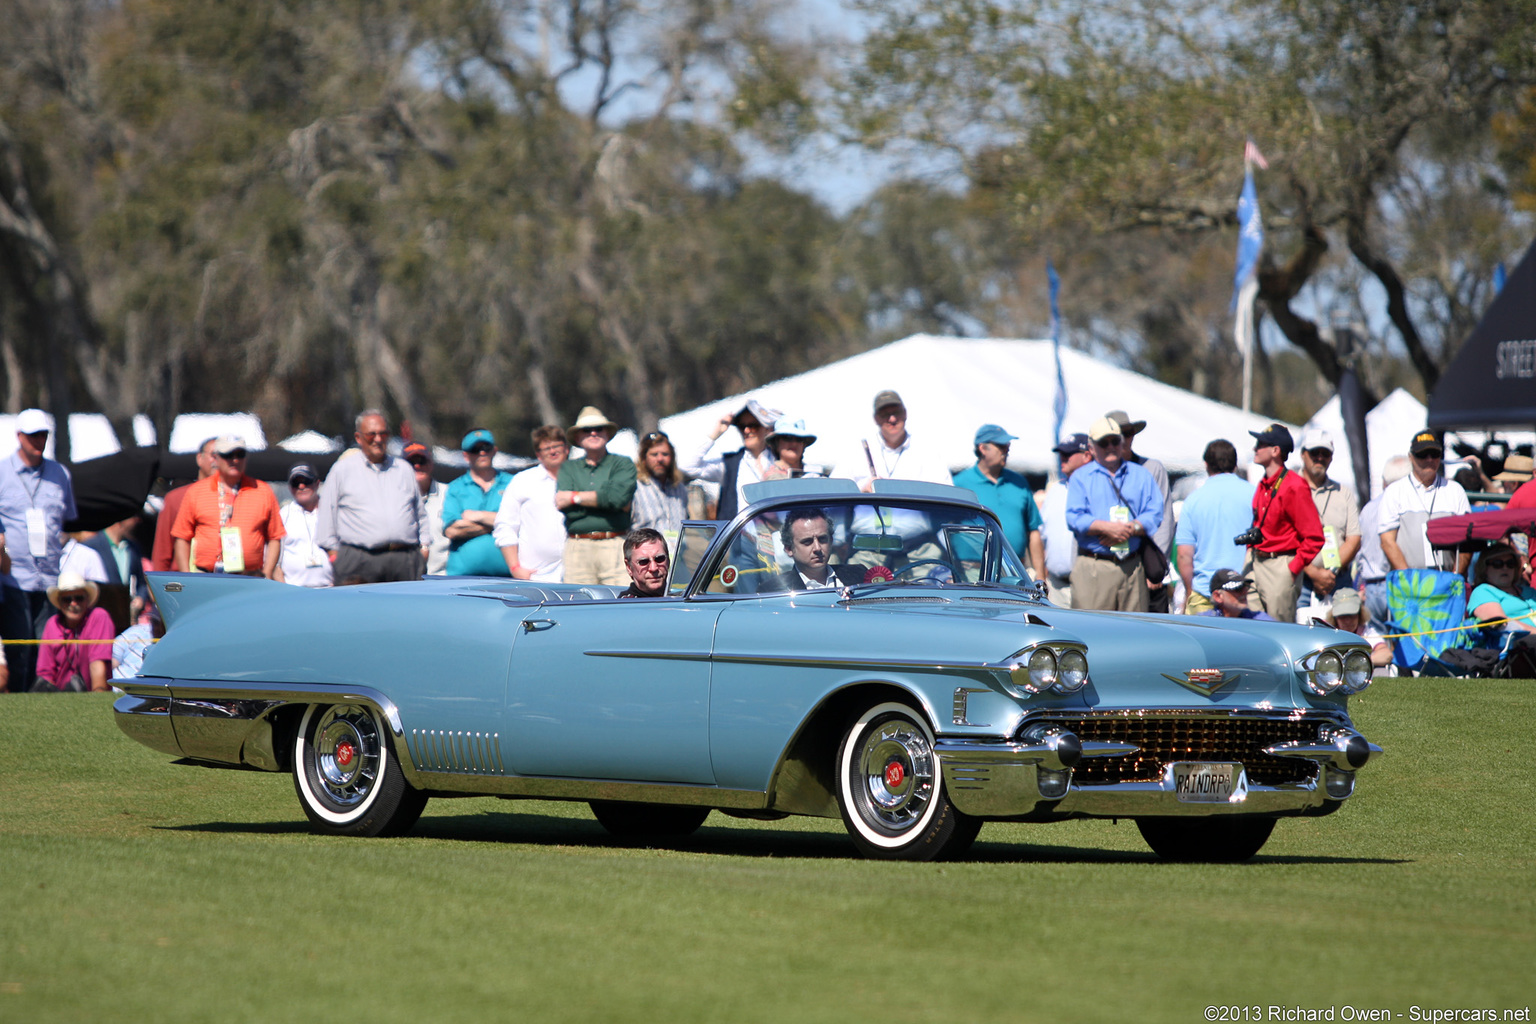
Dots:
pixel 1218 839
pixel 891 792
pixel 347 777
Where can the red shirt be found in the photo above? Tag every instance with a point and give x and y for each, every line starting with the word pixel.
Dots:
pixel 254 510
pixel 161 556
pixel 1524 496
pixel 1292 524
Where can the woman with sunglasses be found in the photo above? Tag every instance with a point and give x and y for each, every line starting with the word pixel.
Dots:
pixel 1499 591
pixel 71 666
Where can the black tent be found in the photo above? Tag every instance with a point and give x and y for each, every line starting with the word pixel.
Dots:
pixel 1492 380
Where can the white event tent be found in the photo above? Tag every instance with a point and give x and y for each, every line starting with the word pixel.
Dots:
pixel 951 386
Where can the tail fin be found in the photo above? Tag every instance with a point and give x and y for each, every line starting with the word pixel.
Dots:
pixel 177 592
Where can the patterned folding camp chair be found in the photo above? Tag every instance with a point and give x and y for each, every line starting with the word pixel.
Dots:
pixel 1426 602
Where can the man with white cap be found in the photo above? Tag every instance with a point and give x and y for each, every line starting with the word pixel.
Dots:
pixel 1113 506
pixel 304 562
pixel 734 470
pixel 1339 510
pixel 595 494
pixel 230 522
pixel 1006 493
pixel 36 498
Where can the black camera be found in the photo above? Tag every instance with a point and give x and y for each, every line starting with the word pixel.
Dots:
pixel 1251 537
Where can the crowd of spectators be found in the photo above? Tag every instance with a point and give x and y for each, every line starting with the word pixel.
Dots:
pixel 1105 532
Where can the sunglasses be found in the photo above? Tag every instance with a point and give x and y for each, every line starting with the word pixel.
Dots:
pixel 1503 563
pixel 233 456
pixel 581 431
pixel 482 449
pixel 301 482
pixel 1432 453
pixel 644 562
pixel 1321 455
pixel 1109 441
pixel 419 463
pixel 656 435
pixel 72 598
pixel 374 435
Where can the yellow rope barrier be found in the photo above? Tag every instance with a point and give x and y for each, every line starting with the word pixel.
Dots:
pixel 1456 629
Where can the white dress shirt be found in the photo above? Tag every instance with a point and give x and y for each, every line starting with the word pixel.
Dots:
pixel 528 518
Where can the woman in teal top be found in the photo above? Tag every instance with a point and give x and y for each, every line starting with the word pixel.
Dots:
pixel 1500 592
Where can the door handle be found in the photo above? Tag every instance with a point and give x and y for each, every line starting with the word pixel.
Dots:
pixel 534 625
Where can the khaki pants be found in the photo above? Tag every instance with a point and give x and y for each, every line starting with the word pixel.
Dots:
pixel 1274 589
pixel 1109 586
pixel 1060 588
pixel 595 561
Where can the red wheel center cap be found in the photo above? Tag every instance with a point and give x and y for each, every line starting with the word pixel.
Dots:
pixel 894 773
pixel 344 754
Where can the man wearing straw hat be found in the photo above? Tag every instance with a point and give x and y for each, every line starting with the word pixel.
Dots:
pixel 595 493
pixel 1516 476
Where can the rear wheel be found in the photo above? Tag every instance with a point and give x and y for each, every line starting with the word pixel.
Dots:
pixel 1215 839
pixel 648 821
pixel 891 792
pixel 346 774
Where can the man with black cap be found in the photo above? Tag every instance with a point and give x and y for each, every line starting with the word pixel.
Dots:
pixel 304 562
pixel 1229 597
pixel 1408 506
pixel 1158 595
pixel 1290 534
pixel 1113 506
pixel 1076 451
pixel 748 464
pixel 1006 493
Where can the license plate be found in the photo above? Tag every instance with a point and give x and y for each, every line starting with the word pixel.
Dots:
pixel 1197 782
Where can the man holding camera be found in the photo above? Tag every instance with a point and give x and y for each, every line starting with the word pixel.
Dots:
pixel 1287 533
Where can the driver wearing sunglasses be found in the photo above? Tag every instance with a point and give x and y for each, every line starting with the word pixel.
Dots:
pixel 647 562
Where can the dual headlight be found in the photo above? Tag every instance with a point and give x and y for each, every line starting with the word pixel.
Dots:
pixel 1337 670
pixel 1060 668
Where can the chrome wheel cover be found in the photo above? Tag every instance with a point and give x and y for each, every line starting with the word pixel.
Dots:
pixel 894 775
pixel 346 752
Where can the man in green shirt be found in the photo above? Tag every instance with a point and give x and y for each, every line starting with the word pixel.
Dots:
pixel 594 493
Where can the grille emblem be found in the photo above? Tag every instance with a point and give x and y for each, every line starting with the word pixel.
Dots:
pixel 1204 681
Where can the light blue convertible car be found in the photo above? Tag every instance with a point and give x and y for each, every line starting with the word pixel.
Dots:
pixel 881 658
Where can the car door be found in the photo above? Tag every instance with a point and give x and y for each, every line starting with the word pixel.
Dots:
pixel 613 690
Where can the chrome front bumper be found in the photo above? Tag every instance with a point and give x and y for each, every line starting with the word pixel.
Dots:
pixel 1032 778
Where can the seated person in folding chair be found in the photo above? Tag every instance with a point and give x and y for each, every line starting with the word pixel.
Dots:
pixel 1499 591
pixel 1351 615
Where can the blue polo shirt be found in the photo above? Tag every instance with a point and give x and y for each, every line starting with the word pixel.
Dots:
pixel 1010 498
pixel 1091 494
pixel 1220 509
pixel 478 556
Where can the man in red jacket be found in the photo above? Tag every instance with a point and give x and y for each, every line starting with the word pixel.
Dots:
pixel 1290 532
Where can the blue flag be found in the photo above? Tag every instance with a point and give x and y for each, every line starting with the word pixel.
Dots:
pixel 1060 405
pixel 1250 238
pixel 1498 277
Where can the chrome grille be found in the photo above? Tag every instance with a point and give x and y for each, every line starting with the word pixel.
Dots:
pixel 1173 737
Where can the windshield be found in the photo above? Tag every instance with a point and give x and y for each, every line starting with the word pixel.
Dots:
pixel 840 544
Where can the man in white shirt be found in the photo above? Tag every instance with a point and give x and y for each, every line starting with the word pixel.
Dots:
pixel 305 563
pixel 733 471
pixel 891 454
pixel 1408 506
pixel 529 529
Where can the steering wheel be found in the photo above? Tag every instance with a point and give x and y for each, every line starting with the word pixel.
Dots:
pixel 919 562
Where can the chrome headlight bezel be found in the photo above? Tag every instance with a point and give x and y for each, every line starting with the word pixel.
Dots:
pixel 1323 671
pixel 1071 670
pixel 1358 671
pixel 1037 669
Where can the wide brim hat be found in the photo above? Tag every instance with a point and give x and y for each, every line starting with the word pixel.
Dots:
pixel 792 429
pixel 1517 469
pixel 765 416
pixel 591 416
pixel 68 583
pixel 1128 426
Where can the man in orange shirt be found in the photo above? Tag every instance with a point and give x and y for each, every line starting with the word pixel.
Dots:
pixel 229 522
pixel 163 556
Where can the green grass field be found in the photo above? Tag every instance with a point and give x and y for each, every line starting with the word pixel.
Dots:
pixel 133 889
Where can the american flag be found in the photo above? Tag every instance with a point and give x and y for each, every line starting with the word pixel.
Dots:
pixel 1251 155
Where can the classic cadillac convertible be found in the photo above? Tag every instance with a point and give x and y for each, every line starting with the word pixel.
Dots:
pixel 925 690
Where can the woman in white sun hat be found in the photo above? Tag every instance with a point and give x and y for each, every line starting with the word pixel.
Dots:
pixel 73 667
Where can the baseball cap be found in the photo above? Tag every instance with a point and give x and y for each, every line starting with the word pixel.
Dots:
pixel 1103 427
pixel 304 470
pixel 416 450
pixel 1425 441
pixel 991 433
pixel 478 436
pixel 888 397
pixel 1315 439
pixel 32 421
pixel 1346 601
pixel 228 443
pixel 1274 436
pixel 1229 580
pixel 1072 444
